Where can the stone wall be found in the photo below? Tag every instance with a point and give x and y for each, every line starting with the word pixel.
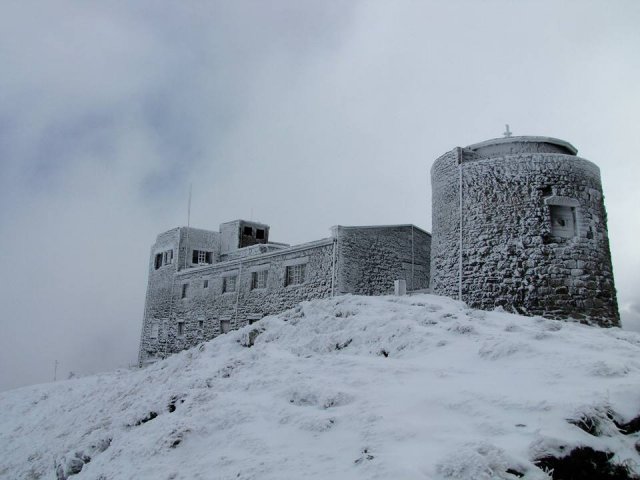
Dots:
pixel 211 305
pixel 360 260
pixel 371 258
pixel 509 256
pixel 158 300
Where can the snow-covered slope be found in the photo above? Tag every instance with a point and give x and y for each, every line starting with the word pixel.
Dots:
pixel 413 387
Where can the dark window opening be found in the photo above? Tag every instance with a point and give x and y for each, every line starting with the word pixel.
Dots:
pixel 200 257
pixel 185 287
pixel 180 328
pixel 247 231
pixel 260 234
pixel 205 284
pixel 200 323
pixel 259 279
pixel 229 284
pixel 295 274
pixel 158 261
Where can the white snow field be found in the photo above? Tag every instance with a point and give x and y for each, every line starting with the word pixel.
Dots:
pixel 414 387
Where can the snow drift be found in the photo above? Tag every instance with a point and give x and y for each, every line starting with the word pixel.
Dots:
pixel 417 387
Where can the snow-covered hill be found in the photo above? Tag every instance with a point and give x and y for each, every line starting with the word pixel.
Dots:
pixel 416 387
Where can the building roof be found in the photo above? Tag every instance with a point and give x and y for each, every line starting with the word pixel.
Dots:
pixel 524 139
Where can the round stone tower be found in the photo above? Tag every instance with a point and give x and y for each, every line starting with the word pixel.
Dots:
pixel 519 222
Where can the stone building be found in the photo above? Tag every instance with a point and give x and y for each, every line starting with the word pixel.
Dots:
pixel 204 283
pixel 519 222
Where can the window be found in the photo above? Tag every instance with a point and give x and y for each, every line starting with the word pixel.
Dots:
pixel 260 233
pixel 229 284
pixel 295 274
pixel 563 221
pixel 201 257
pixel 180 328
pixel 259 279
pixel 154 331
pixel 185 289
pixel 200 323
pixel 205 284
pixel 225 326
pixel 158 261
pixel 247 231
pixel 167 257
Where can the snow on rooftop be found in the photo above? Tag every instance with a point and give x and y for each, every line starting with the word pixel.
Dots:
pixel 351 387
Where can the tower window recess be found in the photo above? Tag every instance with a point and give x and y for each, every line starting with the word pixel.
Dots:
pixel 185 290
pixel 201 257
pixel 295 274
pixel 154 331
pixel 259 279
pixel 205 284
pixel 247 231
pixel 260 233
pixel 229 284
pixel 180 328
pixel 200 323
pixel 158 261
pixel 563 221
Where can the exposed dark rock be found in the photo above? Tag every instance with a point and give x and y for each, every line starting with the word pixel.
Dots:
pixel 584 463
pixel 146 419
pixel 340 346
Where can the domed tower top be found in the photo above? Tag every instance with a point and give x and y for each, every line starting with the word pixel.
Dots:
pixel 497 147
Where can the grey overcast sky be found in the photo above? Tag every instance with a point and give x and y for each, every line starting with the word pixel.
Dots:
pixel 299 114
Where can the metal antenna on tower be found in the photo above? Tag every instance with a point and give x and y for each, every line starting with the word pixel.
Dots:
pixel 55 370
pixel 507 132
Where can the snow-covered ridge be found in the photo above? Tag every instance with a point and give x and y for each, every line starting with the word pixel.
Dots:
pixel 416 387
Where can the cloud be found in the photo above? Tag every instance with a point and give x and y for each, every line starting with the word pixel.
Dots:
pixel 302 115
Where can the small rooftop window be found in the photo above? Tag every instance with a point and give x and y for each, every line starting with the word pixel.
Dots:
pixel 247 231
pixel 260 233
pixel 200 257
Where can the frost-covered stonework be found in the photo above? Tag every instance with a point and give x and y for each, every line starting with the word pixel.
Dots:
pixel 530 219
pixel 190 302
pixel 511 257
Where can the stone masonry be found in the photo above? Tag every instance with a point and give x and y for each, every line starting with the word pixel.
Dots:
pixel 528 231
pixel 213 282
pixel 518 223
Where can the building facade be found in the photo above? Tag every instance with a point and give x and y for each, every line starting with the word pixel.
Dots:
pixel 204 283
pixel 519 222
